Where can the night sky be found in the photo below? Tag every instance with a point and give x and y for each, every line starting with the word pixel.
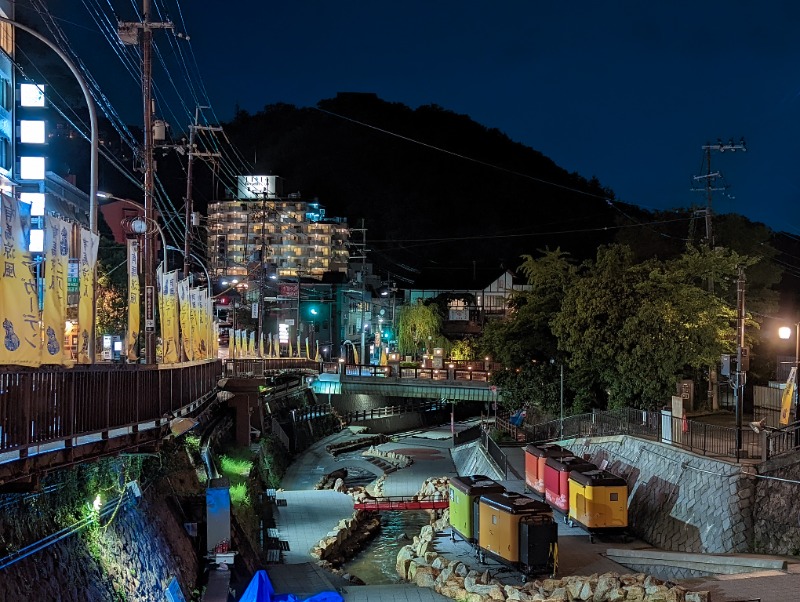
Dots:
pixel 625 91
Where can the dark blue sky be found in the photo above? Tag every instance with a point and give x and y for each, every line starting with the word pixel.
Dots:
pixel 625 91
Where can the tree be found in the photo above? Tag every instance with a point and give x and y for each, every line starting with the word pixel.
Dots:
pixel 526 334
pixel 417 325
pixel 631 330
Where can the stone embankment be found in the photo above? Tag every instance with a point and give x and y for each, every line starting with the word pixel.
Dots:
pixel 419 563
pixel 395 459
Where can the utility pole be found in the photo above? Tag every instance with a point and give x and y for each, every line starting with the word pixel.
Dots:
pixel 739 381
pixel 146 41
pixel 363 290
pixel 709 178
pixel 193 129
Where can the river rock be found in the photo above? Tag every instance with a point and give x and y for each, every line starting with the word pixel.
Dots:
pixel 425 577
pixel 404 557
pixel 440 563
pixel 698 597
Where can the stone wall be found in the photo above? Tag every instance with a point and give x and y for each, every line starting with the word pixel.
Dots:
pixel 134 559
pixel 776 529
pixel 677 501
pixel 471 458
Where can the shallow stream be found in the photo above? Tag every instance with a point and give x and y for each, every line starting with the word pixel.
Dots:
pixel 375 564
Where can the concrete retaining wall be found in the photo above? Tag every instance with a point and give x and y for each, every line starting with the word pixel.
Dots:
pixel 677 501
pixel 471 458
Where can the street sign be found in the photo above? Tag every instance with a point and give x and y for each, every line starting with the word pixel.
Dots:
pixel 149 308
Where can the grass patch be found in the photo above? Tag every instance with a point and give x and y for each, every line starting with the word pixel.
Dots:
pixel 235 465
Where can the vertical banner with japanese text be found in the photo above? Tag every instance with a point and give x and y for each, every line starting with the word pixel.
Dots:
pixel 134 302
pixel 56 265
pixel 170 329
pixel 86 301
pixel 185 313
pixel 203 323
pixel 196 309
pixel 19 299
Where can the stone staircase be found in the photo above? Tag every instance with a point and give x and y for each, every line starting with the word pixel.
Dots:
pixel 386 467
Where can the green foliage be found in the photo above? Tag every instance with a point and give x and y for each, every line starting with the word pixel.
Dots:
pixel 192 443
pixel 112 289
pixel 631 330
pixel 273 460
pixel 535 385
pixel 465 349
pixel 419 325
pixel 239 495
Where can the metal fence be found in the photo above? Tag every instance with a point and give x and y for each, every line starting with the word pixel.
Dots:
pixel 495 452
pixel 421 405
pixel 259 367
pixel 692 435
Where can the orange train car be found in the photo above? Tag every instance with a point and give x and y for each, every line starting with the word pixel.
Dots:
pixel 535 458
pixel 556 479
pixel 519 532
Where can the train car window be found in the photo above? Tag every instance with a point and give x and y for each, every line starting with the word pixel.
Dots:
pixel 494 519
pixel 614 497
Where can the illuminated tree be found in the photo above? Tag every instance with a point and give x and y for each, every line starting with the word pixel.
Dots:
pixel 418 325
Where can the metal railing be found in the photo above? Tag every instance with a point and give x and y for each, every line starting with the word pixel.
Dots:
pixel 692 435
pixel 54 409
pixel 421 405
pixel 260 367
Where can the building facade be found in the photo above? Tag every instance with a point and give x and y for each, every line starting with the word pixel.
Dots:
pixel 283 235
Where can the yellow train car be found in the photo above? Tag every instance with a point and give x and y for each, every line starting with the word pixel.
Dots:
pixel 464 495
pixel 598 500
pixel 518 531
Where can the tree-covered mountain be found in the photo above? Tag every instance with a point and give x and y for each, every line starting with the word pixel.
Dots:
pixel 437 191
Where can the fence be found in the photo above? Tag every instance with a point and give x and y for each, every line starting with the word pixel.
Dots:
pixel 414 406
pixel 692 435
pixel 495 452
pixel 255 367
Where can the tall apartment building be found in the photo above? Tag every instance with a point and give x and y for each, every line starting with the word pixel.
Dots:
pixel 295 236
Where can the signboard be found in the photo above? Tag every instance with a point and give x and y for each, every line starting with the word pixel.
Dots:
pixel 254 311
pixel 173 592
pixel 149 308
pixel 289 289
pixel 254 187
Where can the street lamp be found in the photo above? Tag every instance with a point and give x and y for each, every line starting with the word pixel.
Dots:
pixel 561 413
pixel 785 332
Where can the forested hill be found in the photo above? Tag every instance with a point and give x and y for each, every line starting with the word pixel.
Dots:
pixel 438 193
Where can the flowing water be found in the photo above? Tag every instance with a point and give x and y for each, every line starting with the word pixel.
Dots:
pixel 375 564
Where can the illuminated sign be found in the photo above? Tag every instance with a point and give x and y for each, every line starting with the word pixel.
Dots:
pixel 31 132
pixel 35 200
pixel 254 187
pixel 283 332
pixel 31 168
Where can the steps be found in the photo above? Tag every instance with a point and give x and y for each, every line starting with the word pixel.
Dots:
pixel 386 467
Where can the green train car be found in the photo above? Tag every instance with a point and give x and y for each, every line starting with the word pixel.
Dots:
pixel 464 495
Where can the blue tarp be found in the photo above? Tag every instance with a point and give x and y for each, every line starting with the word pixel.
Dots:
pixel 260 590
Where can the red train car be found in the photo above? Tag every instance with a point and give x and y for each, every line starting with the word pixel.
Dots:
pixel 556 479
pixel 535 458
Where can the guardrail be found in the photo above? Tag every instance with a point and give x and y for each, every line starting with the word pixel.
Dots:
pixel 259 367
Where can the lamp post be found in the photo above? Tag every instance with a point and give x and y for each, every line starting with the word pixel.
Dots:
pixel 94 142
pixel 561 412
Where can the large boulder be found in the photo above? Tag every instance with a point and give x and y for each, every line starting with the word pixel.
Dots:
pixel 404 557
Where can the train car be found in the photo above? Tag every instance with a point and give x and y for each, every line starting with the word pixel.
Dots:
pixel 535 458
pixel 598 501
pixel 556 479
pixel 519 532
pixel 464 495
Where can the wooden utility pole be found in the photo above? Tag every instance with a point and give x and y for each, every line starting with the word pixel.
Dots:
pixel 193 129
pixel 146 26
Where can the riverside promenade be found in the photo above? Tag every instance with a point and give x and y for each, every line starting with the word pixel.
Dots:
pixel 309 515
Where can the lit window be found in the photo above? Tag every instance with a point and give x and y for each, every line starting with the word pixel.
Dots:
pixel 31 95
pixel 37 241
pixel 35 200
pixel 494 519
pixel 31 168
pixel 31 131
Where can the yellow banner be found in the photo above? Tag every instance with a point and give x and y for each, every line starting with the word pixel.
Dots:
pixel 19 299
pixel 170 329
pixel 203 322
pixel 86 268
pixel 134 302
pixel 185 314
pixel 195 310
pixel 54 316
pixel 788 397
